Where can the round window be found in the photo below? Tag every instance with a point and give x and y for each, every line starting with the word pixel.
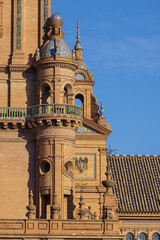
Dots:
pixel 45 167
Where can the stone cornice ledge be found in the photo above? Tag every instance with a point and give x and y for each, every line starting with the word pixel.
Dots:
pixel 20 68
pixel 3 68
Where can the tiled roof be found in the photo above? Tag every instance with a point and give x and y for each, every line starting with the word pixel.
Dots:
pixel 137 183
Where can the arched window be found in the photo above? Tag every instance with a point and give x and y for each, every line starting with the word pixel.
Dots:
pixel 129 236
pixel 155 236
pixel 79 101
pixel 45 89
pixel 67 94
pixel 143 236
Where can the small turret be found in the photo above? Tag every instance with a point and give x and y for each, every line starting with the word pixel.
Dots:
pixel 78 47
pixel 55 27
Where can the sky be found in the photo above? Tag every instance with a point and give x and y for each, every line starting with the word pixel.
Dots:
pixel 121 42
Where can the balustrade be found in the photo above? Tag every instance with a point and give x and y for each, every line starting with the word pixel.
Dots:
pixel 39 110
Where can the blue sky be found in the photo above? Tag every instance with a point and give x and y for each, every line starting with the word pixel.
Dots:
pixel 121 41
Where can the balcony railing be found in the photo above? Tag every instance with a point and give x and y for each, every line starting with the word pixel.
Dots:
pixel 39 110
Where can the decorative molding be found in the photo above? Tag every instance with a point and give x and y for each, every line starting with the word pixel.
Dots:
pixel 17 69
pixel 43 65
pixel 141 223
pixel 18 25
pixel 21 68
pixel 91 189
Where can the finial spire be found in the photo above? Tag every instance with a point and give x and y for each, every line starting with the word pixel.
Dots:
pixel 78 47
pixel 31 207
pixel 78 32
pixel 101 110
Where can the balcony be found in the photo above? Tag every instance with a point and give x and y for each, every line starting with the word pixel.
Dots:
pixel 22 113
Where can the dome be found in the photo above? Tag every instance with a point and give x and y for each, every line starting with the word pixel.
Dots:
pixel 82 65
pixel 56 16
pixel 49 49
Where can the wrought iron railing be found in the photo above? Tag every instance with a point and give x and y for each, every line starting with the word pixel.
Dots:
pixel 39 110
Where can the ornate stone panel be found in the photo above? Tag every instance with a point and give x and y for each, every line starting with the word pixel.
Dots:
pixel 89 171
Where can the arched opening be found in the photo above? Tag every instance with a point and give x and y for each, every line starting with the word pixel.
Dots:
pixel 67 94
pixel 143 236
pixel 79 101
pixel 155 236
pixel 45 90
pixel 129 236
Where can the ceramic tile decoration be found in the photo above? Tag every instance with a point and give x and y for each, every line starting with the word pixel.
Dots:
pixel 85 130
pixel 82 65
pixel 45 17
pixel 62 49
pixel 18 41
pixel 45 11
pixel 79 76
pixel 50 49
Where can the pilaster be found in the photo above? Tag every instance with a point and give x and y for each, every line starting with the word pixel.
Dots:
pixel 1 18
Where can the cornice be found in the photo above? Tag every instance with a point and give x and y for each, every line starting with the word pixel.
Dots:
pixel 97 136
pixel 96 127
pixel 17 140
pixel 20 68
pixel 3 68
pixel 85 82
pixel 90 189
